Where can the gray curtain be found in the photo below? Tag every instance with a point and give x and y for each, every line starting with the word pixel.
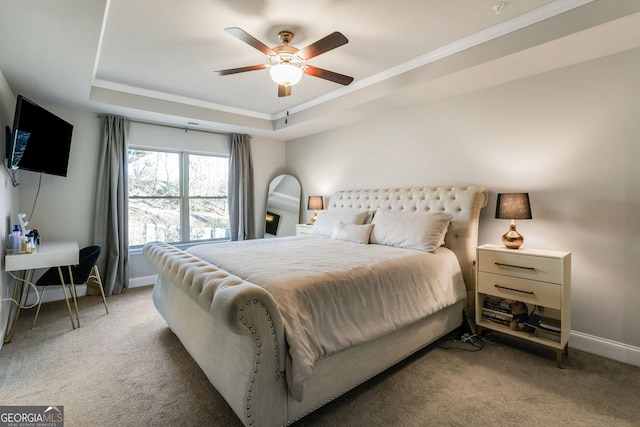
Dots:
pixel 241 219
pixel 110 219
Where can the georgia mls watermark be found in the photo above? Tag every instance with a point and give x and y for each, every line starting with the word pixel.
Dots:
pixel 31 416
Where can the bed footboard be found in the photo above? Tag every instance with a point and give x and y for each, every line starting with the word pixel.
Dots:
pixel 232 329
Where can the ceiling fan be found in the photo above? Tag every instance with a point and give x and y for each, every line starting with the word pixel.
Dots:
pixel 288 63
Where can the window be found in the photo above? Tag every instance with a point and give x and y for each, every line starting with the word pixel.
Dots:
pixel 177 197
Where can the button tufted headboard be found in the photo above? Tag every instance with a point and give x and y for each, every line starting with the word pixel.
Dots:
pixel 463 203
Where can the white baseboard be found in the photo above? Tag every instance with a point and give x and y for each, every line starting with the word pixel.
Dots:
pixel 54 293
pixel 138 282
pixel 605 348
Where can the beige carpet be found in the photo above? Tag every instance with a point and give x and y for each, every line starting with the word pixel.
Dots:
pixel 128 369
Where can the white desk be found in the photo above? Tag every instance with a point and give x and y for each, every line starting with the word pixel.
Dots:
pixel 48 254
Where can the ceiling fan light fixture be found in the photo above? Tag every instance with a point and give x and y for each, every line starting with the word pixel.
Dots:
pixel 285 74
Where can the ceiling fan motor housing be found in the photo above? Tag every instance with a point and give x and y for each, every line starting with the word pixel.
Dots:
pixel 285 36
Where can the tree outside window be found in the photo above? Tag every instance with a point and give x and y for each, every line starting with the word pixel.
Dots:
pixel 177 197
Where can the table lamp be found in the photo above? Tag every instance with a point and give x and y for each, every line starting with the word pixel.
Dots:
pixel 315 203
pixel 513 206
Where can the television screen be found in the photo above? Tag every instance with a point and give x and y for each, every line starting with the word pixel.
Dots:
pixel 271 223
pixel 40 141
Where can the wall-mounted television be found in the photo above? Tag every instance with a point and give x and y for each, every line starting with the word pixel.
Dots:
pixel 40 140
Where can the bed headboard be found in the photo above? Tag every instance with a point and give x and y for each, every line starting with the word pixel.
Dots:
pixel 463 203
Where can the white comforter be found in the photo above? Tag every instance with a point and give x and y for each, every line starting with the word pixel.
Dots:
pixel 334 294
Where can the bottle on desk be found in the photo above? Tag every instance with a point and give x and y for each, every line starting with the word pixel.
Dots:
pixel 15 239
pixel 23 243
pixel 31 247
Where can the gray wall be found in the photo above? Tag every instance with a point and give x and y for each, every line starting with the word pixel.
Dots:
pixel 568 137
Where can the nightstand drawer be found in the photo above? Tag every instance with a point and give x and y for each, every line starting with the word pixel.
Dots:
pixel 527 291
pixel 302 229
pixel 520 265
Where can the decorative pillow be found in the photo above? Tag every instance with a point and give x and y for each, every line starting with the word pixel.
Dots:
pixel 423 231
pixel 357 233
pixel 369 217
pixel 327 220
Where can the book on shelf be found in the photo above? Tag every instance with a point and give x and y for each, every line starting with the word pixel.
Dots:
pixel 497 310
pixel 496 320
pixel 546 334
pixel 550 324
pixel 495 313
pixel 498 304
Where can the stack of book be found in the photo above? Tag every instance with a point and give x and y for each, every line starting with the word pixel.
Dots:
pixel 497 310
pixel 549 329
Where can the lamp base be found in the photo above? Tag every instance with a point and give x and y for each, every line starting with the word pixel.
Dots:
pixel 314 218
pixel 512 239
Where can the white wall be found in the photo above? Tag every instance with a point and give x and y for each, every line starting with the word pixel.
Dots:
pixel 268 163
pixel 568 137
pixel 8 197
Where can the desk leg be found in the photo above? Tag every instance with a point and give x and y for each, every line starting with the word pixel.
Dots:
pixel 66 298
pixel 21 299
pixel 73 293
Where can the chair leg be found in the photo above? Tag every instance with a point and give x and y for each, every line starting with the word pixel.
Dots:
pixel 95 273
pixel 35 319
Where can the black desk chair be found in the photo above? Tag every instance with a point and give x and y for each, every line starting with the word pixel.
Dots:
pixel 83 272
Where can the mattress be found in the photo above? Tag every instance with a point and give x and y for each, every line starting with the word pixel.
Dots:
pixel 334 294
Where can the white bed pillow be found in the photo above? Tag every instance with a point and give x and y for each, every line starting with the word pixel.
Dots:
pixel 327 220
pixel 423 231
pixel 357 233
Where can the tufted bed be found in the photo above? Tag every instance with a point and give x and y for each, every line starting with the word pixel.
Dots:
pixel 283 326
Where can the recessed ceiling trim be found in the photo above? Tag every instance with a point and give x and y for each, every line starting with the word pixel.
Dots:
pixel 545 12
pixel 151 105
pixel 103 28
pixel 105 84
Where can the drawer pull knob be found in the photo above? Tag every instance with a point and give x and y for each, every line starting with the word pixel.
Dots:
pixel 499 264
pixel 514 290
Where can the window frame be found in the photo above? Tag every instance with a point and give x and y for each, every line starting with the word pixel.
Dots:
pixel 184 197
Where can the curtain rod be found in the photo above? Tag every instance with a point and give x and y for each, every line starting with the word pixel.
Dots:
pixel 186 129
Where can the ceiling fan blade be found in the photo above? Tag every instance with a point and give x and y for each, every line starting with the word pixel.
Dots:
pixel 328 75
pixel 241 34
pixel 284 90
pixel 240 70
pixel 332 41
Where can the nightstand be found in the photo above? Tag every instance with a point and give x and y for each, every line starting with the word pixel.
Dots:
pixel 302 229
pixel 539 278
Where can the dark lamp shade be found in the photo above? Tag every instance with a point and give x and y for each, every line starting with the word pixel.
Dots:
pixel 315 203
pixel 513 206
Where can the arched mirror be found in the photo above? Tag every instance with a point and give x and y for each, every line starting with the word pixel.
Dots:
pixel 283 207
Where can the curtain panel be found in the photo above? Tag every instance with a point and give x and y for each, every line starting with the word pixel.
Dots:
pixel 241 194
pixel 110 229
